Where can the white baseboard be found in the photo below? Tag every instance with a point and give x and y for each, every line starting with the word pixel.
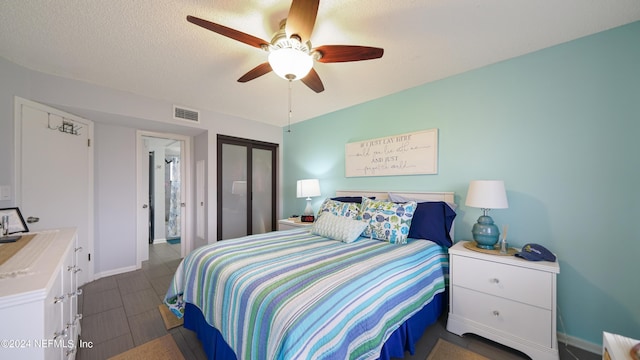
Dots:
pixel 159 241
pixel 115 272
pixel 579 343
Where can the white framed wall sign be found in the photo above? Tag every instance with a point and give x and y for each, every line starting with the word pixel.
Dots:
pixel 414 153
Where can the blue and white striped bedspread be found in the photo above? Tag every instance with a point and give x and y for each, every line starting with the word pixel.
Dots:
pixel 293 295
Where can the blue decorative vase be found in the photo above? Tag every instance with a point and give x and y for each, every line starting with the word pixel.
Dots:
pixel 485 232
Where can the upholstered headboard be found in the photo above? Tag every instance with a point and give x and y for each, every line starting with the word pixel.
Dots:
pixel 384 195
pixel 446 196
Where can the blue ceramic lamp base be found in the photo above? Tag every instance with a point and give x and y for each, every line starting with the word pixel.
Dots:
pixel 485 233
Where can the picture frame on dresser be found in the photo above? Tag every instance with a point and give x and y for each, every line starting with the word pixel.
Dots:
pixel 16 221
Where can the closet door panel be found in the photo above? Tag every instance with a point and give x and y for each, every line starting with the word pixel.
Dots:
pixel 261 186
pixel 234 191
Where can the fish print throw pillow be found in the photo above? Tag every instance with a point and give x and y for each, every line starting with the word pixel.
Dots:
pixel 388 221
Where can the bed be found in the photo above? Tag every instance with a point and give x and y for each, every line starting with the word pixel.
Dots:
pixel 323 293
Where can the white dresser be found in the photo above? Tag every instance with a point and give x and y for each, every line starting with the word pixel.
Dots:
pixel 39 305
pixel 504 298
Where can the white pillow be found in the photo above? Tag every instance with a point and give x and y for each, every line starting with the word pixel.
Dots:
pixel 338 227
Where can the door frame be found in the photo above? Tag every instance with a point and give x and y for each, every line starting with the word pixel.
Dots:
pixel 151 191
pixel 142 226
pixel 17 130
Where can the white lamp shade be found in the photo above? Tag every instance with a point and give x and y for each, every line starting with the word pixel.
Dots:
pixel 307 188
pixel 290 64
pixel 487 194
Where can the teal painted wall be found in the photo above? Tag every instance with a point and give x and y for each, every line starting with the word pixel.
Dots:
pixel 560 126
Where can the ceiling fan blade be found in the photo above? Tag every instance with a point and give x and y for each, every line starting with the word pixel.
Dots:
pixel 312 80
pixel 302 18
pixel 344 53
pixel 228 32
pixel 256 72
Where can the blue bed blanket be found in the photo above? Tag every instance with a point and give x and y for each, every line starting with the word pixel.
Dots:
pixel 294 295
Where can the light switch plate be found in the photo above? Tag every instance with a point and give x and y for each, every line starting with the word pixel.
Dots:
pixel 5 192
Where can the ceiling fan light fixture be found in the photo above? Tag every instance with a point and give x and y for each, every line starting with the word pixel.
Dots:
pixel 291 55
pixel 289 63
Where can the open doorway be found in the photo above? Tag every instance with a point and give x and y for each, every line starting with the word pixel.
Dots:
pixel 163 191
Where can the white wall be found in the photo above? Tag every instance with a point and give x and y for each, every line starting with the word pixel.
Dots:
pixel 117 115
pixel 115 228
pixel 201 147
pixel 11 83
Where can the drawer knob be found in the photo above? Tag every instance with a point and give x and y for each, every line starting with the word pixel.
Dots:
pixel 75 293
pixel 58 299
pixel 494 281
pixel 58 334
pixel 496 313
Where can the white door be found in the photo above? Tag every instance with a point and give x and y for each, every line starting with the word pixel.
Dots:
pixel 54 175
pixel 142 203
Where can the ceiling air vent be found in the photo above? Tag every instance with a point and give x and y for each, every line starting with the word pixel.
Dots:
pixel 181 113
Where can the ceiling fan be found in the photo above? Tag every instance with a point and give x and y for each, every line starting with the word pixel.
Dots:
pixel 291 55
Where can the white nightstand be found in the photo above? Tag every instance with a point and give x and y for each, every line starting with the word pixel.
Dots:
pixel 286 224
pixel 504 298
pixel 617 347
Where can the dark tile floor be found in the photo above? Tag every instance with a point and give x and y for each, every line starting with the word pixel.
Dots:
pixel 121 312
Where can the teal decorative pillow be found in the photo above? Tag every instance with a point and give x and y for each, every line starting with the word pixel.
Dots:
pixel 388 221
pixel 346 209
pixel 338 227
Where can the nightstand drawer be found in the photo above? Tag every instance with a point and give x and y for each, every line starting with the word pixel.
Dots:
pixel 522 320
pixel 506 281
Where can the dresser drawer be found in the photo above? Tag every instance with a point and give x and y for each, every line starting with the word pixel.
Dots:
pixel 507 281
pixel 511 317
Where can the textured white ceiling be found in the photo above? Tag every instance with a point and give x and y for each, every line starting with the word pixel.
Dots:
pixel 147 47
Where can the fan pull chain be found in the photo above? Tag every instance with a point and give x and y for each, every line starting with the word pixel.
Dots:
pixel 289 129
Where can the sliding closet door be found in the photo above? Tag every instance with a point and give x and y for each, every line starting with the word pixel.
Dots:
pixel 262 210
pixel 234 192
pixel 246 187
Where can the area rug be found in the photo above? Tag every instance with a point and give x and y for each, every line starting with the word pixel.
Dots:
pixel 162 348
pixel 170 320
pixel 445 350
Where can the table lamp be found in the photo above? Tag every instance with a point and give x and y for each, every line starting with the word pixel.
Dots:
pixel 486 195
pixel 308 188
